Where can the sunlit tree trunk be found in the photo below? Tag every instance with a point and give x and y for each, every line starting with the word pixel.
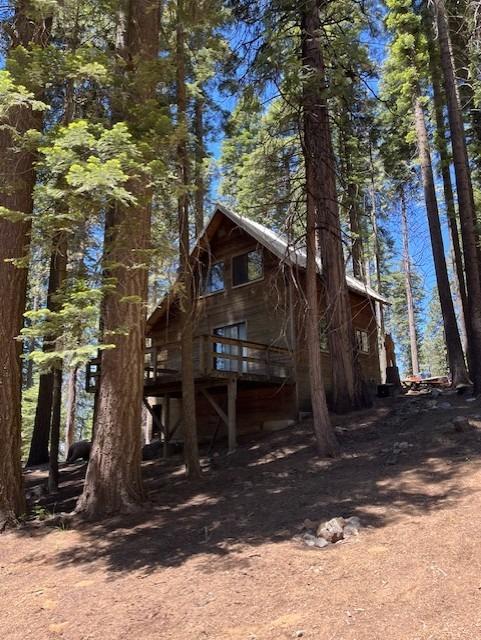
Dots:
pixel 464 186
pixel 457 366
pixel 113 483
pixel 16 188
pixel 413 341
pixel 186 289
pixel 445 164
pixel 347 388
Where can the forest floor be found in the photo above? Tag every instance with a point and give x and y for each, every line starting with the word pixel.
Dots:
pixel 219 559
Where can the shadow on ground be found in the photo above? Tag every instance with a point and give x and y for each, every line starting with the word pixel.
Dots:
pixel 273 482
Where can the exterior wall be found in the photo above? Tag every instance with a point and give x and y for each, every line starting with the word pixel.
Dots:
pixel 273 310
pixel 364 318
pixel 262 305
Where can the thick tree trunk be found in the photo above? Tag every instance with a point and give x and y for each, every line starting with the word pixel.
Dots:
pixel 325 437
pixel 464 186
pixel 189 420
pixel 413 341
pixel 347 388
pixel 39 452
pixel 445 163
pixel 18 180
pixel 457 367
pixel 71 410
pixel 113 483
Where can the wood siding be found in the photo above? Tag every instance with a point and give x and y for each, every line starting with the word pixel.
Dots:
pixel 273 310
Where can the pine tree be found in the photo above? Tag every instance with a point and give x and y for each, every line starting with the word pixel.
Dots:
pixel 465 194
pixel 113 482
pixel 19 115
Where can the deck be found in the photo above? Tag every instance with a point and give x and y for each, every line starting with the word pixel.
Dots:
pixel 216 359
pixel 218 362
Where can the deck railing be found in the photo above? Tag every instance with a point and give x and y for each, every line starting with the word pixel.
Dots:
pixel 212 356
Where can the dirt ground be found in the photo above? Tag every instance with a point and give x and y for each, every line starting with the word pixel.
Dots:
pixel 218 560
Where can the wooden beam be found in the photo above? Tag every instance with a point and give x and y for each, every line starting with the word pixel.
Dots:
pixel 166 418
pixel 155 417
pixel 216 407
pixel 232 414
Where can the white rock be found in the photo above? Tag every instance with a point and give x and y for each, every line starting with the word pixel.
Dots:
pixel 309 539
pixel 353 521
pixel 321 543
pixel 350 530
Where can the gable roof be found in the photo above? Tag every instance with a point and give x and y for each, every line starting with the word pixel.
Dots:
pixel 275 243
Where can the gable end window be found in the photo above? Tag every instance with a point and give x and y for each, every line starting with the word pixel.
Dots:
pixel 214 279
pixel 247 267
pixel 362 341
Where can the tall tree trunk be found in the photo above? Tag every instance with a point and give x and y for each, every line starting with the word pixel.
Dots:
pixel 18 180
pixel 39 452
pixel 53 474
pixel 189 421
pixel 71 410
pixel 113 483
pixel 445 164
pixel 325 437
pixel 347 388
pixel 464 186
pixel 59 259
pixel 457 367
pixel 380 325
pixel 199 165
pixel 352 199
pixel 413 341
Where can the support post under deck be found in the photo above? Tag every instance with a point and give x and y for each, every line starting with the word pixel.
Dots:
pixel 231 414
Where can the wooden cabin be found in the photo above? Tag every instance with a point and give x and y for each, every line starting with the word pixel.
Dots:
pixel 250 356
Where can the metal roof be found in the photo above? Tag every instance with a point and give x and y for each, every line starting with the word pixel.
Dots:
pixel 280 247
pixel 276 244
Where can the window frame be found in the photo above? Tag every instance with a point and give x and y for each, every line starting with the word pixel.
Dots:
pixel 257 249
pixel 206 294
pixel 359 349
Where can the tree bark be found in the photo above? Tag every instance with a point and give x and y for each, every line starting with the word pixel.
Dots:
pixel 380 325
pixel 71 408
pixel 53 474
pixel 464 186
pixel 413 341
pixel 18 180
pixel 199 165
pixel 39 451
pixel 113 483
pixel 445 164
pixel 347 387
pixel 457 366
pixel 186 282
pixel 326 440
pixel 352 199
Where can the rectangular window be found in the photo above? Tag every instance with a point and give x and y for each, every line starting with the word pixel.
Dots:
pixel 362 341
pixel 214 280
pixel 247 268
pixel 237 332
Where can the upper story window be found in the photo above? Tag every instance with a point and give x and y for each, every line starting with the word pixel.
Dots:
pixel 247 267
pixel 214 280
pixel 362 341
